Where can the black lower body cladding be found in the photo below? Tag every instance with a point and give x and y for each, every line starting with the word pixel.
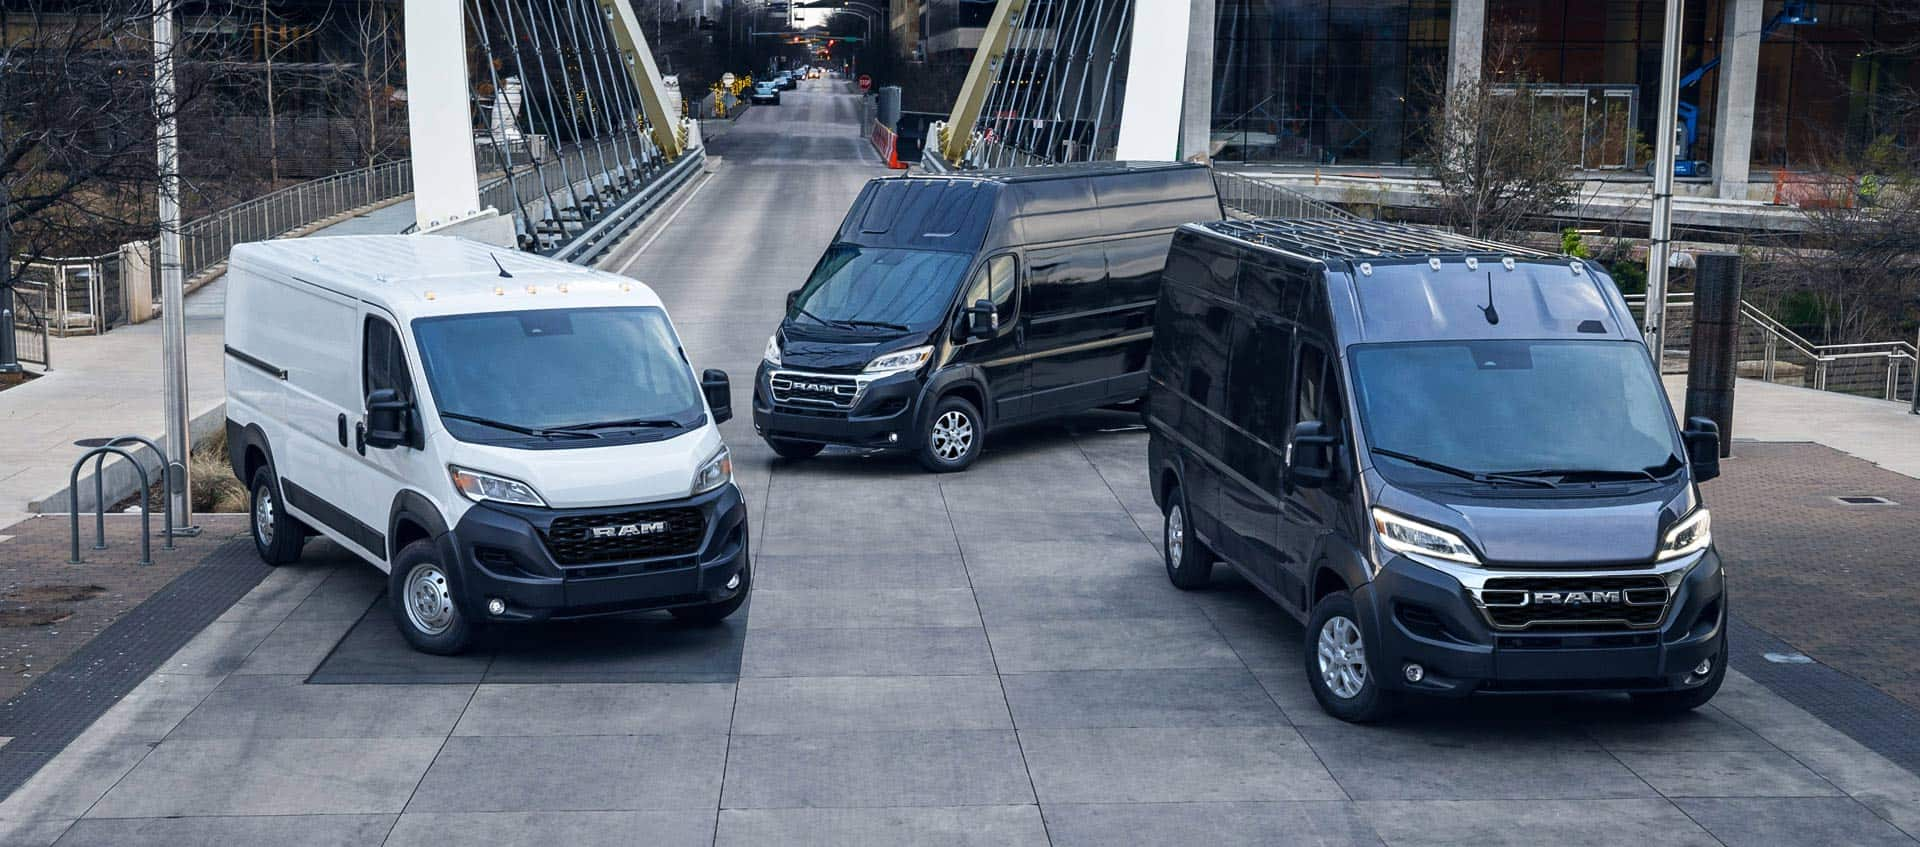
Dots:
pixel 545 564
pixel 1415 614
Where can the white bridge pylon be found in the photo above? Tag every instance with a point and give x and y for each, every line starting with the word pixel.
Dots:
pixel 440 122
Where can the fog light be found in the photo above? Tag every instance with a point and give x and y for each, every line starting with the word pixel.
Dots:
pixel 496 606
pixel 1705 667
pixel 893 438
pixel 733 582
pixel 1414 672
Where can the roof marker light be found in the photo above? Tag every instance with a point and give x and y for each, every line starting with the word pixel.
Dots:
pixel 625 287
pixel 532 290
pixel 563 288
pixel 1578 268
pixel 1366 269
pixel 498 291
pixel 1473 264
pixel 1433 262
pixel 1507 263
pixel 429 295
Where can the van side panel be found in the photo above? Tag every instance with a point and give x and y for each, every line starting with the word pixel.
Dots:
pixel 323 379
pixel 255 374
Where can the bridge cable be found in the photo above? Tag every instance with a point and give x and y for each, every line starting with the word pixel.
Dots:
pixel 501 101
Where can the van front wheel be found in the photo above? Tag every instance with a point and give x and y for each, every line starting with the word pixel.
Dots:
pixel 421 592
pixel 1338 667
pixel 953 437
pixel 277 536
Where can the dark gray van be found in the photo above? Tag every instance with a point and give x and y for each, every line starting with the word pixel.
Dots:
pixel 1453 460
pixel 950 306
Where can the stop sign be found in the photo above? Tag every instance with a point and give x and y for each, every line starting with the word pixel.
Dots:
pixel 866 82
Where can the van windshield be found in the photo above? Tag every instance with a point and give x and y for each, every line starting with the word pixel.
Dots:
pixel 559 374
pixel 1569 409
pixel 879 288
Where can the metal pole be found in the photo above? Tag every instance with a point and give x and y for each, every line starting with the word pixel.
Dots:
pixel 172 294
pixel 1916 374
pixel 1659 245
pixel 9 355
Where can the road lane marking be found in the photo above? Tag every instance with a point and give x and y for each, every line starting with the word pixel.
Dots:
pixel 666 222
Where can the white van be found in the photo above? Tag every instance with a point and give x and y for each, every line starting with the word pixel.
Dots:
pixel 510 438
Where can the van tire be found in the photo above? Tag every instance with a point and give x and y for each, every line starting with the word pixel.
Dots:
pixel 1680 702
pixel 1368 702
pixel 1189 562
pixel 959 431
pixel 437 625
pixel 713 613
pixel 795 450
pixel 277 536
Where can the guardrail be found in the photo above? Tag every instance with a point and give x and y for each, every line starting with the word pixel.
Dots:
pixel 1769 350
pixel 563 203
pixel 1262 199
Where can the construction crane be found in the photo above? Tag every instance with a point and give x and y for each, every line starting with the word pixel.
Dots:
pixel 1792 13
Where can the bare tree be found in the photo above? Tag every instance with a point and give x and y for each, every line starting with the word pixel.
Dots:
pixel 365 95
pixel 278 36
pixel 1497 158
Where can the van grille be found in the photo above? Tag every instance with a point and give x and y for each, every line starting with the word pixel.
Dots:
pixel 621 536
pixel 1601 601
pixel 839 392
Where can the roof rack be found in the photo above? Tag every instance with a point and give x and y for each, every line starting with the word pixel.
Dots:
pixel 1359 239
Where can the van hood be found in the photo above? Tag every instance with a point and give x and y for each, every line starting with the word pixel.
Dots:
pixel 829 351
pixel 592 477
pixel 1555 531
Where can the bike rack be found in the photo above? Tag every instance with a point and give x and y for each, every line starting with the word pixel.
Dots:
pixel 168 473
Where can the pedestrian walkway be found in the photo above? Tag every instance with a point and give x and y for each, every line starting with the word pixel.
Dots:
pixel 1879 431
pixel 110 385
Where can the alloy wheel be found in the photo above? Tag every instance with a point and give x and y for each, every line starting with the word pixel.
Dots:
pixel 1176 535
pixel 1343 658
pixel 952 436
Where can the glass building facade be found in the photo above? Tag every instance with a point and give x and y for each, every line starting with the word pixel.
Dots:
pixel 1350 82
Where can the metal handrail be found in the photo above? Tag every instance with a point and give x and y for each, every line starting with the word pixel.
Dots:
pixel 1262 199
pixel 1821 356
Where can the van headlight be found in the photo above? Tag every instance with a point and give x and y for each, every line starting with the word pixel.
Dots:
pixel 1406 535
pixel 772 355
pixel 1693 533
pixel 896 362
pixel 479 486
pixel 716 472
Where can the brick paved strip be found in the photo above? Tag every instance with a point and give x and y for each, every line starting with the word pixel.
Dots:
pixel 1876 719
pixel 63 703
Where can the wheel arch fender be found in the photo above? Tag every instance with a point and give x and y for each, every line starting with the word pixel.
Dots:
pixel 1336 560
pixel 248 450
pixel 413 517
pixel 969 380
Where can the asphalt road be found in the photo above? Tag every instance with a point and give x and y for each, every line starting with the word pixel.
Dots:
pixel 988 658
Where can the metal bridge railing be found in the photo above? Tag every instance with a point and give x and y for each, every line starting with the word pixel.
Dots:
pixel 1769 350
pixel 88 295
pixel 1261 199
pixel 30 334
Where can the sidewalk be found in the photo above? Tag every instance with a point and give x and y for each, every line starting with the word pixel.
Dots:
pixel 108 385
pixel 1882 432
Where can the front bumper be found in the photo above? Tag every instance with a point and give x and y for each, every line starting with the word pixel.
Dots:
pixel 1415 613
pixel 503 553
pixel 882 413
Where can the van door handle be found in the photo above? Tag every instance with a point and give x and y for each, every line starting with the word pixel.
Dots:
pixel 360 437
pixel 1020 335
pixel 343 429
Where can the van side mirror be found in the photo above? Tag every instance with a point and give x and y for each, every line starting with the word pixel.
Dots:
pixel 387 416
pixel 1310 455
pixel 1702 437
pixel 719 391
pixel 983 320
pixel 792 298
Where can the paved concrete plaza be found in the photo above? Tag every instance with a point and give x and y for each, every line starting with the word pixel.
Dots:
pixel 989 658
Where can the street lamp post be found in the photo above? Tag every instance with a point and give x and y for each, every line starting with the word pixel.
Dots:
pixel 9 356
pixel 1660 236
pixel 173 326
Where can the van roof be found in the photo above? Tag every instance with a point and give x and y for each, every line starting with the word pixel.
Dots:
pixel 1070 170
pixel 423 275
pixel 1358 239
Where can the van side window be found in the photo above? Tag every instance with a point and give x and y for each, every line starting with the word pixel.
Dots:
pixel 997 281
pixel 385 361
pixel 1310 389
pixel 1261 366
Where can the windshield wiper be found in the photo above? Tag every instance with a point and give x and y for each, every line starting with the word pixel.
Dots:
pixel 1483 477
pixel 817 319
pixel 1585 474
pixel 656 423
pixel 880 324
pixel 523 430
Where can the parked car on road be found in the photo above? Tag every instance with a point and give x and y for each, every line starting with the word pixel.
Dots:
pixel 1451 459
pixel 511 438
pixel 948 307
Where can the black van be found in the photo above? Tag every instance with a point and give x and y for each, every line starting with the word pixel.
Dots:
pixel 950 306
pixel 1452 459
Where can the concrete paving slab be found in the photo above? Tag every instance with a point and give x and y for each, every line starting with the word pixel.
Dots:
pixel 1110 644
pixel 1068 596
pixel 968 826
pixel 824 705
pixel 1765 823
pixel 993 561
pixel 1504 823
pixel 1891 791
pixel 282 776
pixel 33 833
pixel 854 570
pixel 777 608
pixel 1141 698
pixel 1183 765
pixel 1727 774
pixel 1323 823
pixel 872 769
pixel 857 652
pixel 68 786
pixel 294 647
pixel 281 831
pixel 259 706
pixel 1456 769
pixel 598 709
pixel 692 828
pixel 573 773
